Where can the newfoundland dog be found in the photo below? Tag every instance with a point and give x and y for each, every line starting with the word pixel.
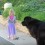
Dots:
pixel 36 29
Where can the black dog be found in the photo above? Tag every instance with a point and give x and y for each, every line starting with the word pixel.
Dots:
pixel 36 28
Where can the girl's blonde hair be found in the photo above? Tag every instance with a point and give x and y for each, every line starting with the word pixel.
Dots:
pixel 11 10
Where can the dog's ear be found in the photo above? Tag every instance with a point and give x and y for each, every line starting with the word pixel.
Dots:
pixel 27 18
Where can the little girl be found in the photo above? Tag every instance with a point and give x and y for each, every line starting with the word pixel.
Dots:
pixel 11 25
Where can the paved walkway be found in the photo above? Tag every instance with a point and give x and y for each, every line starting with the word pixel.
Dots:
pixel 24 39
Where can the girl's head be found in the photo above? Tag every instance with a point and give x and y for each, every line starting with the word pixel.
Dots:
pixel 11 14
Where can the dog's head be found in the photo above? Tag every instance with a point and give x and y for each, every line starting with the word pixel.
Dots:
pixel 26 21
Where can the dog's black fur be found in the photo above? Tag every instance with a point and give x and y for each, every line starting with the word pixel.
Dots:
pixel 36 28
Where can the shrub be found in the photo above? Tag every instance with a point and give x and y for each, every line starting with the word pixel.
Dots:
pixel 5 13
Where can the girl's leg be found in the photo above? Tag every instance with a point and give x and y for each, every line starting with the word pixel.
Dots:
pixel 9 35
pixel 9 32
pixel 13 37
pixel 13 32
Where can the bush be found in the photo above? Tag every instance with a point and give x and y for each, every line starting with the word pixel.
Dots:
pixel 5 13
pixel 32 8
pixel 18 12
pixel 39 15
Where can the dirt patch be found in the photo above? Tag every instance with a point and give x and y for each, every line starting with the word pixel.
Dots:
pixel 21 28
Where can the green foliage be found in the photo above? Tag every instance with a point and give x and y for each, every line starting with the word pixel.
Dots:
pixel 33 8
pixel 39 15
pixel 18 12
pixel 1 5
pixel 5 13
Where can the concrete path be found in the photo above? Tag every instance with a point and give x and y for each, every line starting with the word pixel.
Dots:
pixel 4 42
pixel 24 39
